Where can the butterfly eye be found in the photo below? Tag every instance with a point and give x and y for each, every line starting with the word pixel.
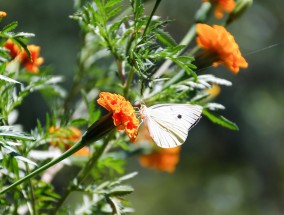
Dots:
pixel 179 116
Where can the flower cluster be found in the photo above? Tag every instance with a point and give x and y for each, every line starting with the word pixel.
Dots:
pixel 31 63
pixel 123 113
pixel 219 44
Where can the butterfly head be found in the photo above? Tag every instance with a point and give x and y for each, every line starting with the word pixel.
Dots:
pixel 143 111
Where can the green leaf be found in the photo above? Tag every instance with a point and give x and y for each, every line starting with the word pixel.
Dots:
pixel 128 176
pixel 79 122
pixel 12 152
pixel 165 38
pixel 5 78
pixel 113 164
pixel 19 157
pixel 24 34
pixel 6 131
pixel 112 3
pixel 121 190
pixel 185 66
pixel 114 12
pixel 220 120
pixel 10 27
pixel 20 42
pixel 5 54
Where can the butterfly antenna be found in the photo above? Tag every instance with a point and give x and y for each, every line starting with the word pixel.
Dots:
pixel 247 54
pixel 263 49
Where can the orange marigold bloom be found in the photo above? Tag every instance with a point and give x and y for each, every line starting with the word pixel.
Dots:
pixel 31 64
pixel 220 45
pixel 221 6
pixel 65 138
pixel 163 159
pixel 35 61
pixel 123 113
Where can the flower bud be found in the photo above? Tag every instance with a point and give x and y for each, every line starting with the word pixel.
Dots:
pixel 2 14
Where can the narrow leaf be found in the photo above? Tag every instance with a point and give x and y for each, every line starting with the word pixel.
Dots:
pixel 79 122
pixel 128 176
pixel 10 27
pixel 7 131
pixel 5 78
pixel 19 157
pixel 24 34
pixel 220 120
pixel 166 38
pixel 110 4
pixel 121 190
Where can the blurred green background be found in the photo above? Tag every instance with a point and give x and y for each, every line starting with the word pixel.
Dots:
pixel 220 171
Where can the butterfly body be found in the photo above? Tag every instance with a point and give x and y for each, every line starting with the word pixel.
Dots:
pixel 168 124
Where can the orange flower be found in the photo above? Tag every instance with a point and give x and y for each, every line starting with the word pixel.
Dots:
pixel 2 14
pixel 163 159
pixel 123 113
pixel 13 48
pixel 65 138
pixel 32 64
pixel 221 46
pixel 221 6
pixel 35 61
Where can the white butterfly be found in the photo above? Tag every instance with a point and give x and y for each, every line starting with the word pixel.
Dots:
pixel 168 124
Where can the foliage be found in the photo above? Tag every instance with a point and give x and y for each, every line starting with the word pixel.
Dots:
pixel 123 51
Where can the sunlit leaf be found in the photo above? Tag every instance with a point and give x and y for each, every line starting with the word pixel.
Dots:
pixel 220 120
pixel 10 27
pixel 128 176
pixel 5 78
pixel 19 157
pixel 121 190
pixel 7 131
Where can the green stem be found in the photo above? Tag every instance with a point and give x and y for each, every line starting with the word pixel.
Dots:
pixel 152 14
pixel 128 82
pixel 31 193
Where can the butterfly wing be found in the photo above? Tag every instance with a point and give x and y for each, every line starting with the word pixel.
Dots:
pixel 168 124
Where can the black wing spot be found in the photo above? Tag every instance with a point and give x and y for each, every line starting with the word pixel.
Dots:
pixel 179 116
